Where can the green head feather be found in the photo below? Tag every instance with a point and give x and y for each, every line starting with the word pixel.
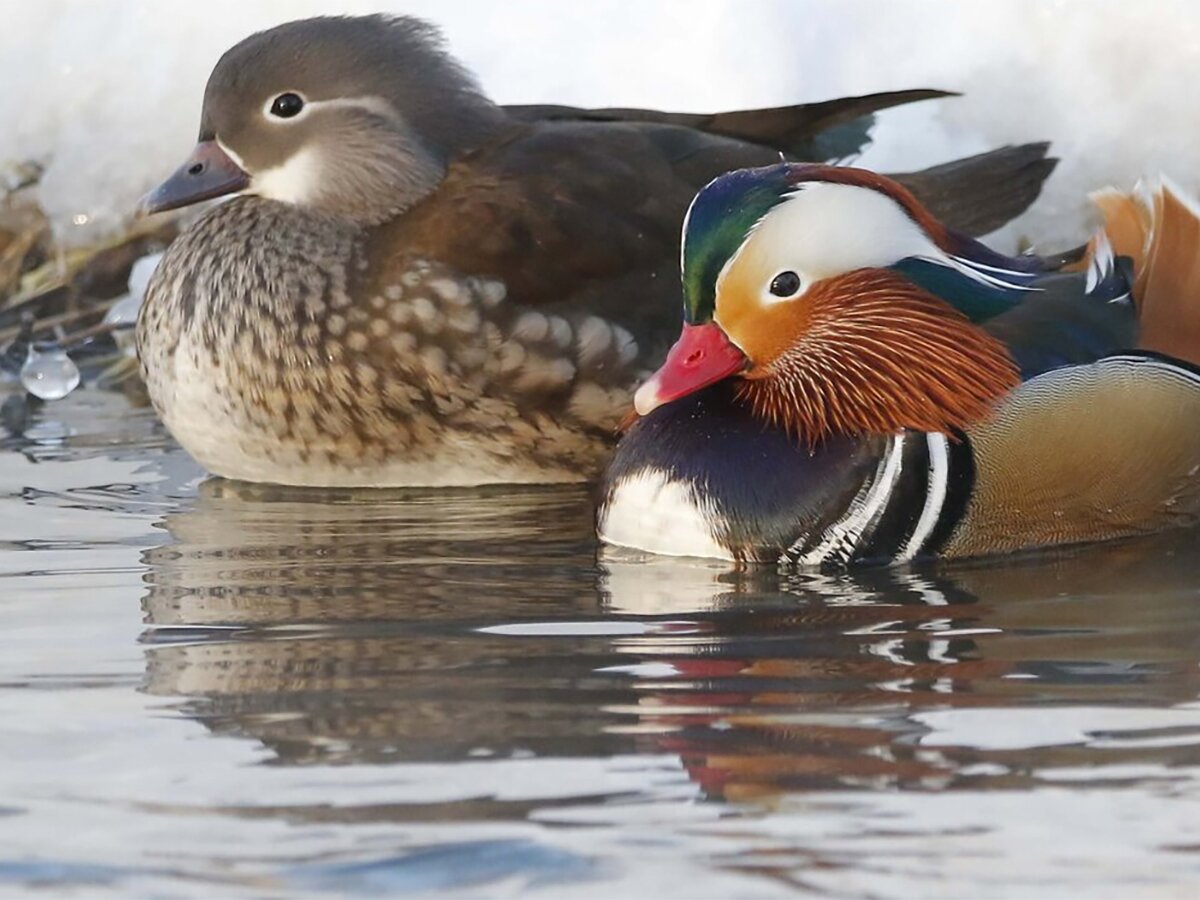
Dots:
pixel 717 223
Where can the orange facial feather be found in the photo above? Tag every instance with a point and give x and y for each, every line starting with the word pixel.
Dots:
pixel 869 352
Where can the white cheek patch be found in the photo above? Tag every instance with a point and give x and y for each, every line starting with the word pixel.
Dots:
pixel 294 181
pixel 822 230
pixel 826 229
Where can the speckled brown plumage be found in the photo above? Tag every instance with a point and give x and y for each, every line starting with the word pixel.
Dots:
pixel 288 355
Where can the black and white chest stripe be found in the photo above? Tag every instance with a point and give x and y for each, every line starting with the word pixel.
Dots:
pixel 906 509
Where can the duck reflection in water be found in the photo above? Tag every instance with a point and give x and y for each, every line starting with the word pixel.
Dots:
pixel 418 626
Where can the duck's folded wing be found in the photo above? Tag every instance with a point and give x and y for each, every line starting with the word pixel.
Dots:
pixel 574 220
pixel 1060 325
pixel 975 195
pixel 573 228
pixel 1086 453
pixel 810 132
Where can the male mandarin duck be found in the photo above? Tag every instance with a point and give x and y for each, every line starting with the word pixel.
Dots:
pixel 421 287
pixel 856 382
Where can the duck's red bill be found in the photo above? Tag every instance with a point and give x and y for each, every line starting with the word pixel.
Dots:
pixel 703 355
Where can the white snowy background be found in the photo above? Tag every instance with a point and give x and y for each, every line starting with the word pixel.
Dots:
pixel 106 93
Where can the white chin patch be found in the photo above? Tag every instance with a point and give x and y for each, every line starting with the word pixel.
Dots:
pixel 648 512
pixel 292 182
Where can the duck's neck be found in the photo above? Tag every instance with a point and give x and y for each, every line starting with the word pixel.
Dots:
pixel 881 355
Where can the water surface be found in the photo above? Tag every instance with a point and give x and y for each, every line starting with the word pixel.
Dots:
pixel 214 689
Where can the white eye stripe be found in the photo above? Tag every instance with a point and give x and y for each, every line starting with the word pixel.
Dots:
pixel 232 154
pixel 372 104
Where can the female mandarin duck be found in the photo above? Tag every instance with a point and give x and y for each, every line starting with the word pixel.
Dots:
pixel 856 382
pixel 421 287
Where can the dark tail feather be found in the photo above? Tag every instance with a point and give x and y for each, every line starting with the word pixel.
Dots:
pixel 831 129
pixel 979 194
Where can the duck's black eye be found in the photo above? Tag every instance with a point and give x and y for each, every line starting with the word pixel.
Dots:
pixel 287 105
pixel 785 284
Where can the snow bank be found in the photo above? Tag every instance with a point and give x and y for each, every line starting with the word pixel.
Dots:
pixel 107 92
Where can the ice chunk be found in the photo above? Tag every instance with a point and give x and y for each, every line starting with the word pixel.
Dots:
pixel 123 314
pixel 50 375
pixel 140 275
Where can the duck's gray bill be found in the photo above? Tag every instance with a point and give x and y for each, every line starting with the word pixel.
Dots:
pixel 208 173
